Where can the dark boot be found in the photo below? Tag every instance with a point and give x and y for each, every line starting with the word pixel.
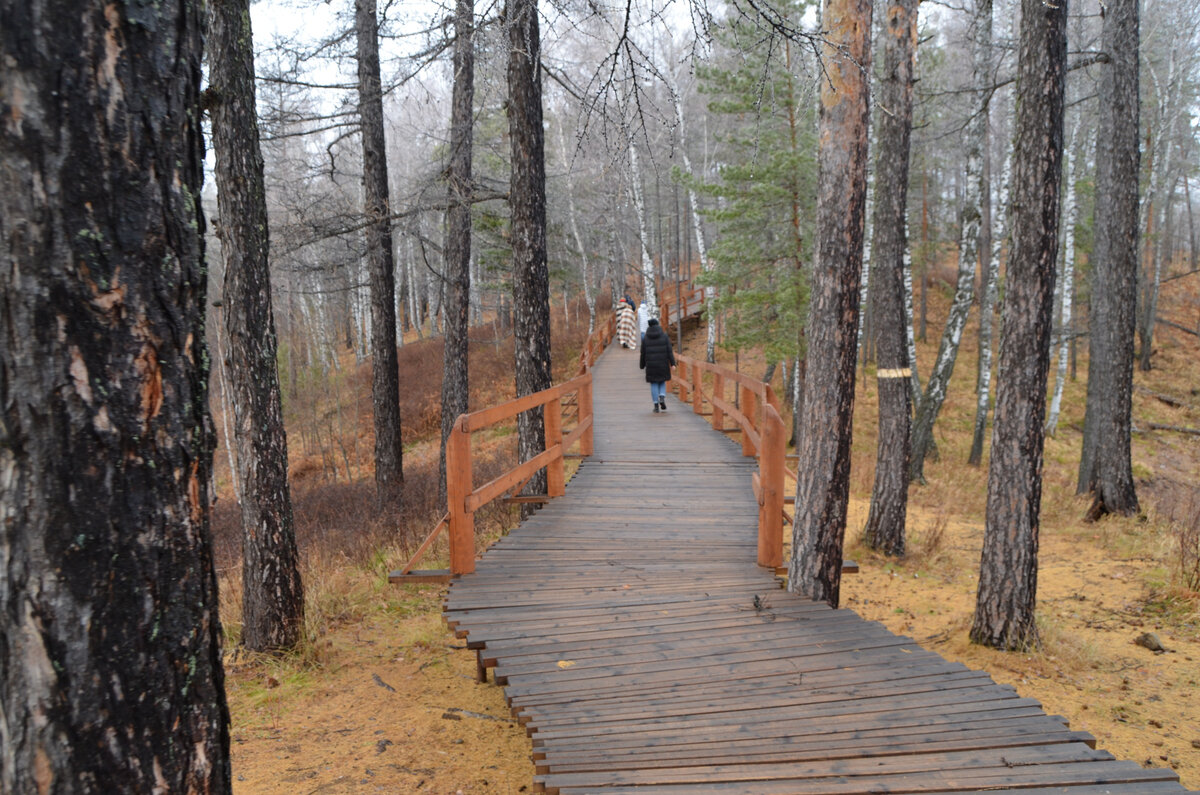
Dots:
pixel 655 408
pixel 662 403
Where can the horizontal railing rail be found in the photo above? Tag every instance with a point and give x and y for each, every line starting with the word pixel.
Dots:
pixel 463 499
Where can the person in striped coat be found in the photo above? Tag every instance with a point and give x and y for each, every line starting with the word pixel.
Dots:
pixel 626 326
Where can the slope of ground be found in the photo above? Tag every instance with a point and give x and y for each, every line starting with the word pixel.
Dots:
pixel 386 700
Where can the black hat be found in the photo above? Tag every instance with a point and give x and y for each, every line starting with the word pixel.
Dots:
pixel 652 322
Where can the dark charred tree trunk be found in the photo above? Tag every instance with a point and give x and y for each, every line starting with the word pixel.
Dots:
pixel 1105 469
pixel 1004 606
pixel 455 379
pixel 385 380
pixel 527 204
pixel 110 652
pixel 272 595
pixel 823 489
pixel 889 496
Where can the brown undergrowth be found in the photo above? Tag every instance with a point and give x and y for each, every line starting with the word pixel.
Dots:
pixel 383 698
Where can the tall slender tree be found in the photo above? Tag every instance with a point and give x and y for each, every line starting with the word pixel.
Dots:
pixel 889 496
pixel 455 377
pixel 272 594
pixel 110 651
pixel 527 203
pixel 968 247
pixel 823 488
pixel 1105 467
pixel 1007 594
pixel 385 372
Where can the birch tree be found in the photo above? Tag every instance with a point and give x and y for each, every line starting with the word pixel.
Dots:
pixel 968 247
pixel 1066 281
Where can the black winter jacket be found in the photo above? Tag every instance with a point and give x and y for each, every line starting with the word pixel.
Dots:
pixel 657 358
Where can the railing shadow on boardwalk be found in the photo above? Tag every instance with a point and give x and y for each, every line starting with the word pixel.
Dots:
pixel 647 647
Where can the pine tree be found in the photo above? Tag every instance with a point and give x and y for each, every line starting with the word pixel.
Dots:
pixel 765 196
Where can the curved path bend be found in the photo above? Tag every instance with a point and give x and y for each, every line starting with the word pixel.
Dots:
pixel 646 652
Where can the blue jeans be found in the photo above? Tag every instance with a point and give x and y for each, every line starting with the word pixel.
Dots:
pixel 658 391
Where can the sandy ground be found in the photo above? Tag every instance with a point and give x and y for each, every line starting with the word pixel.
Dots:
pixel 392 705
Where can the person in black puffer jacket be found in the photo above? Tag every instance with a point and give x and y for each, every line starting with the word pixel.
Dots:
pixel 657 359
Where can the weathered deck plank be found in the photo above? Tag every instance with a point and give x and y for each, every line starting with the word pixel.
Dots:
pixel 645 652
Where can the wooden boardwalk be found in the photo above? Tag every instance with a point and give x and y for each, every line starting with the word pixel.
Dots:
pixel 645 652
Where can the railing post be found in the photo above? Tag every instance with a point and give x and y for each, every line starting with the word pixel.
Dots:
pixel 697 389
pixel 718 415
pixel 556 480
pixel 586 442
pixel 770 473
pixel 749 411
pixel 458 486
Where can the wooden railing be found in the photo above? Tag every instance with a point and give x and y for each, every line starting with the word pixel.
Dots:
pixel 682 301
pixel 463 499
pixel 755 414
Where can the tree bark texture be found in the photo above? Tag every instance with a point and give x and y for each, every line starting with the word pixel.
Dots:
pixel 272 595
pixel 455 378
pixel 893 130
pixel 110 644
pixel 1105 468
pixel 822 491
pixel 1004 606
pixel 527 205
pixel 968 246
pixel 385 378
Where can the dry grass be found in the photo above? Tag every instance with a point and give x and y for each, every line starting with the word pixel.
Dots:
pixel 347 545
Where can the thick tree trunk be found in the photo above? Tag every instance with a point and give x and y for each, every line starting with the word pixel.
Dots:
pixel 272 594
pixel 1004 606
pixel 385 374
pixel 1105 468
pixel 889 496
pixel 455 380
pixel 827 409
pixel 110 652
pixel 968 248
pixel 527 202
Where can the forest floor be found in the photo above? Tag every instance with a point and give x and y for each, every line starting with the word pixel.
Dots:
pixel 386 699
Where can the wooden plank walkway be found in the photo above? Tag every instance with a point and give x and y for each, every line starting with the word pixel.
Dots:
pixel 645 652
